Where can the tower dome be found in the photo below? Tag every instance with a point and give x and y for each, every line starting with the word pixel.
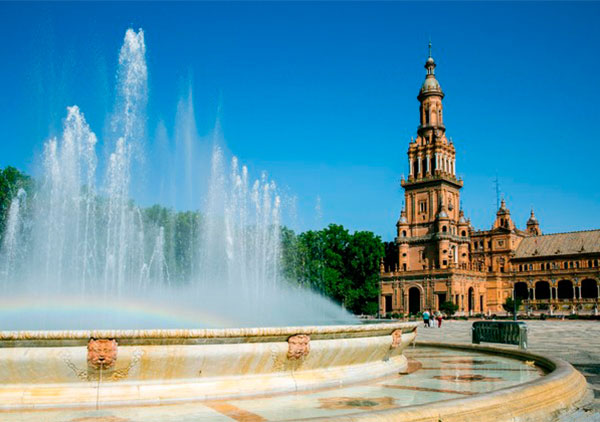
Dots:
pixel 430 86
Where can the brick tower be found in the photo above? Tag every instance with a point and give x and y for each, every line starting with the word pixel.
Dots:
pixel 432 230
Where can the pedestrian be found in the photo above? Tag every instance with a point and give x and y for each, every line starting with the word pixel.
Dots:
pixel 431 319
pixel 426 318
pixel 439 319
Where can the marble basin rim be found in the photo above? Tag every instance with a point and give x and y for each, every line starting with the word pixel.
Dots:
pixel 47 369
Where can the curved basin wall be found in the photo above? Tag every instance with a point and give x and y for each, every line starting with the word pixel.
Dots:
pixel 45 369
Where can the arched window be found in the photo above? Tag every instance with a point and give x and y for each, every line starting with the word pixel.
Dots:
pixel 427 116
pixel 444 229
pixel 403 233
pixel 463 233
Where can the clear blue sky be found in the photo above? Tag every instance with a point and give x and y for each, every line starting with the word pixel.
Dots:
pixel 323 95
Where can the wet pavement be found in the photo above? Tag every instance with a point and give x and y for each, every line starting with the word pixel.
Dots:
pixel 577 342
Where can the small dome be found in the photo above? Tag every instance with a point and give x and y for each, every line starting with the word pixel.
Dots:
pixel 430 61
pixel 532 219
pixel 402 219
pixel 443 214
pixel 430 85
pixel 462 220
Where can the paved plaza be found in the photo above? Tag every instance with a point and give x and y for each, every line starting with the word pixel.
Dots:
pixel 577 342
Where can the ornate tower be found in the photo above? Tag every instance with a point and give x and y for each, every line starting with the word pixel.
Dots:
pixel 432 232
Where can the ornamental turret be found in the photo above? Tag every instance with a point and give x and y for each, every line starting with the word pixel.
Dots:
pixel 503 219
pixel 533 226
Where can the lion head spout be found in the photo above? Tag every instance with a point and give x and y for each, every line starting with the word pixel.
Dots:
pixel 101 353
pixel 298 346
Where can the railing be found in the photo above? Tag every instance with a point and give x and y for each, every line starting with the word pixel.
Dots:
pixel 506 332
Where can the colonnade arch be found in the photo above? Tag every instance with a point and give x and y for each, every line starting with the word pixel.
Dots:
pixel 521 291
pixel 542 290
pixel 565 290
pixel 589 289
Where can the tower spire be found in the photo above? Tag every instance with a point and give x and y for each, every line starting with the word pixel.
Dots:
pixel 429 46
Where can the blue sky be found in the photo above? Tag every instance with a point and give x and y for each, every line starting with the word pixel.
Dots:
pixel 322 96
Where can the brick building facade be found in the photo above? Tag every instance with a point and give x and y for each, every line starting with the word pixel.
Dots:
pixel 440 257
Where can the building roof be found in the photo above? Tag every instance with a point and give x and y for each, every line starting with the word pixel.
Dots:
pixel 559 244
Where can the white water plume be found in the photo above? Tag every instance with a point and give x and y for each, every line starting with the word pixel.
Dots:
pixel 85 237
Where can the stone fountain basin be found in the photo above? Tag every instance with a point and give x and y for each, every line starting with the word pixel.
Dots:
pixel 43 369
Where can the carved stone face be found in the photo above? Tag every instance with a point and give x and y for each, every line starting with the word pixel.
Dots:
pixel 396 338
pixel 102 353
pixel 298 346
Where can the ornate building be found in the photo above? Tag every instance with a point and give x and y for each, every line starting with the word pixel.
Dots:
pixel 440 257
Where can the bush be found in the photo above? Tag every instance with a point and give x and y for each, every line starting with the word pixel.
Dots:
pixel 543 317
pixel 449 308
pixel 511 305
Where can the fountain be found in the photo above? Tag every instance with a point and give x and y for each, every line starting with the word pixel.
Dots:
pixel 99 327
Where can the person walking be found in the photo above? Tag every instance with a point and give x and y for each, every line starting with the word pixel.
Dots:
pixel 439 318
pixel 426 316
pixel 431 319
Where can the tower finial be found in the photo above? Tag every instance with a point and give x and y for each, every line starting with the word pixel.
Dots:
pixel 429 46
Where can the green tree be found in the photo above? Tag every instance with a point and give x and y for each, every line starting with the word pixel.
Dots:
pixel 363 255
pixel 185 232
pixel 340 265
pixel 511 305
pixel 449 308
pixel 11 180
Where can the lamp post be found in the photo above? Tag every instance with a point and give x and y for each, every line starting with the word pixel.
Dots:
pixel 514 304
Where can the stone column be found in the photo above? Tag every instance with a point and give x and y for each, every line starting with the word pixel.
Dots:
pixel 419 163
pixel 428 164
pixel 410 167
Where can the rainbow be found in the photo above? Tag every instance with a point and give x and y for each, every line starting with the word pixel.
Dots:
pixel 14 309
